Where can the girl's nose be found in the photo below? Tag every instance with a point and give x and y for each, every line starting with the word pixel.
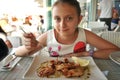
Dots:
pixel 62 24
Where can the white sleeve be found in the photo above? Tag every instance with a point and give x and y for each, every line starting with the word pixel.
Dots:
pixel 113 2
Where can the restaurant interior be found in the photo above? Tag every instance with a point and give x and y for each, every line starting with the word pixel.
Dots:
pixel 15 15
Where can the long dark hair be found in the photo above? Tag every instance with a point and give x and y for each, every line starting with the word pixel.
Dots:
pixel 73 3
pixel 3 49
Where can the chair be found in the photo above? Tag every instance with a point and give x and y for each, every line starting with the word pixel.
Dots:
pixel 112 36
pixel 97 27
pixel 117 29
pixel 15 40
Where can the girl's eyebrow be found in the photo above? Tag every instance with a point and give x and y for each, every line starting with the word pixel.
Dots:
pixel 65 15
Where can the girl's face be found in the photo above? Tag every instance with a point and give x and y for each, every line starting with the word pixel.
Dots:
pixel 65 19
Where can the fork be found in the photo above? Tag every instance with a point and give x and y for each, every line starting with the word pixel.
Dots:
pixel 22 29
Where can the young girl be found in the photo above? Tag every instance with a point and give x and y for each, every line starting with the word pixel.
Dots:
pixel 66 39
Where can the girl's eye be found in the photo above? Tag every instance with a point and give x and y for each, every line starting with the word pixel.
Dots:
pixel 69 18
pixel 57 19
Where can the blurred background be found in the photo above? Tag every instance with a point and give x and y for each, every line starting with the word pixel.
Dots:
pixel 36 15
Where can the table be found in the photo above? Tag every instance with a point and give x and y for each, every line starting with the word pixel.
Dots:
pixel 20 69
pixel 109 65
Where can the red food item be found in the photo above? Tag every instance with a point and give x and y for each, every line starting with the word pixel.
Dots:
pixel 79 47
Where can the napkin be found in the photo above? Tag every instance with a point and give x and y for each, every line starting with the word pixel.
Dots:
pixel 105 72
pixel 12 60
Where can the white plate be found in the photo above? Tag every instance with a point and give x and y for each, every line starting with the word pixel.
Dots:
pixel 115 57
pixel 95 73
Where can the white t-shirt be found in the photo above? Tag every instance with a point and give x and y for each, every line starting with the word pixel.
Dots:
pixel 55 47
pixel 106 8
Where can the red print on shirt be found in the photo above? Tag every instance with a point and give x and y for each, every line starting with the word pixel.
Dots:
pixel 79 47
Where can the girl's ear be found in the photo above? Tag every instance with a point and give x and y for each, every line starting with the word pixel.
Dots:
pixel 80 18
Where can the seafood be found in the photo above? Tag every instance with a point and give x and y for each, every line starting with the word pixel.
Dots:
pixel 57 68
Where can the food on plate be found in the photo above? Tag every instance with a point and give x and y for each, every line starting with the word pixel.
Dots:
pixel 82 62
pixel 60 68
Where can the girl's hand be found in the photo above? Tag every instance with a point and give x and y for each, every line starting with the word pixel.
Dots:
pixel 30 41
